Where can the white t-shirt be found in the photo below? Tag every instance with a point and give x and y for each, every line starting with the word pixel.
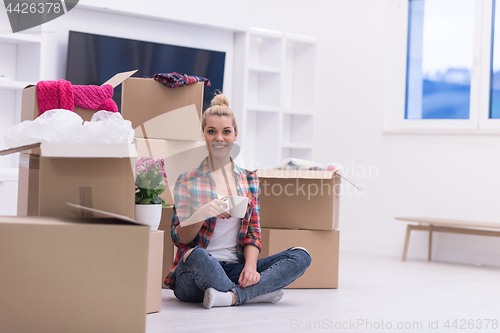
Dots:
pixel 222 246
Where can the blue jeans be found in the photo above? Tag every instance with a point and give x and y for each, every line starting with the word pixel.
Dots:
pixel 202 271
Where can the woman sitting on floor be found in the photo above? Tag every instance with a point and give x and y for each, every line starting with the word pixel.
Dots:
pixel 216 261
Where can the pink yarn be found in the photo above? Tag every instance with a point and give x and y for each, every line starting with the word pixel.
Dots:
pixel 66 99
pixel 95 97
pixel 54 95
pixel 62 95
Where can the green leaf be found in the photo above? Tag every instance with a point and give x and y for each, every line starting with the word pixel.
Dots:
pixel 137 199
pixel 145 201
pixel 157 200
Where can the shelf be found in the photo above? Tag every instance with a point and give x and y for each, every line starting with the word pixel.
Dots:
pixel 265 49
pixel 279 90
pixel 16 85
pixel 295 145
pixel 264 89
pixel 301 38
pixel 304 154
pixel 262 137
pixel 264 108
pixel 18 38
pixel 299 75
pixel 265 69
pixel 300 112
pixel 298 130
pixel 262 32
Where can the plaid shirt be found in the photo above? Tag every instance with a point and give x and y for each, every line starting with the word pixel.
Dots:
pixel 173 79
pixel 195 188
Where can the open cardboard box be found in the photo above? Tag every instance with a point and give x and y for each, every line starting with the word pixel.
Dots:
pixel 159 112
pixel 155 271
pixel 155 260
pixel 30 109
pixel 99 176
pixel 169 248
pixel 300 199
pixel 73 274
pixel 323 246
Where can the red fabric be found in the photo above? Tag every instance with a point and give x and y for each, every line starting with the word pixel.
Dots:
pixel 62 95
pixel 54 95
pixel 95 98
pixel 65 95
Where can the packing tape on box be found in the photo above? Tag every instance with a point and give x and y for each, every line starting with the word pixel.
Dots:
pixel 25 161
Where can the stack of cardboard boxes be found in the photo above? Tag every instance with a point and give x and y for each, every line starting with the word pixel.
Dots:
pixel 167 127
pixel 62 271
pixel 300 208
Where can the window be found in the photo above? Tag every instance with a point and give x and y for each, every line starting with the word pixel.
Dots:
pixel 495 64
pixel 440 48
pixel 444 66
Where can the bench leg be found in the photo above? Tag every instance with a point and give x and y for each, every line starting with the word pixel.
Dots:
pixel 430 242
pixel 407 240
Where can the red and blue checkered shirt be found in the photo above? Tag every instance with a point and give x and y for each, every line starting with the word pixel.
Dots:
pixel 195 188
pixel 173 79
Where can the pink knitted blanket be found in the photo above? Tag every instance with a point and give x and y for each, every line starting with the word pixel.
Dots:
pixel 62 95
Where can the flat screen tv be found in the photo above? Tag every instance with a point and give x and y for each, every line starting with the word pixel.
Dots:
pixel 93 59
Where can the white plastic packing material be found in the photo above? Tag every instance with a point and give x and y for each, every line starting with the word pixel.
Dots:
pixel 63 126
pixel 300 164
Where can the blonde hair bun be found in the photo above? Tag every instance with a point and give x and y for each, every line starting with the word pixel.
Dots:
pixel 220 99
pixel 219 107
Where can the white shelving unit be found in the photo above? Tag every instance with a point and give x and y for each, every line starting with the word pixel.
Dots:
pixel 275 85
pixel 19 66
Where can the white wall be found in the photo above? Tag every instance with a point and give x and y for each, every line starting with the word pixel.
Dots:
pixel 449 176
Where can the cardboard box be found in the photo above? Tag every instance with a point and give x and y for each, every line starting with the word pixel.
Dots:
pixel 300 199
pixel 28 186
pixel 179 157
pixel 323 246
pixel 99 176
pixel 72 275
pixel 168 245
pixel 30 109
pixel 155 271
pixel 159 112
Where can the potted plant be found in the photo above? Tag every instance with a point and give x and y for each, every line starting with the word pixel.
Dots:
pixel 150 182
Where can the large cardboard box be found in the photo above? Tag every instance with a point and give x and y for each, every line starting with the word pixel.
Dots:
pixel 72 275
pixel 30 109
pixel 323 246
pixel 99 176
pixel 168 245
pixel 300 199
pixel 159 112
pixel 155 271
pixel 28 186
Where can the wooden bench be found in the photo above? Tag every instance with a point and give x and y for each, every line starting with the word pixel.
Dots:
pixel 445 225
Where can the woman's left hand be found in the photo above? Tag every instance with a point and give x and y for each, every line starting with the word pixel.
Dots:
pixel 249 276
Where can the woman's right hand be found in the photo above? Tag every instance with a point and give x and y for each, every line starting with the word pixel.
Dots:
pixel 210 209
pixel 215 208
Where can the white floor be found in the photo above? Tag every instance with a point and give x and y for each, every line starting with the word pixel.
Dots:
pixel 376 293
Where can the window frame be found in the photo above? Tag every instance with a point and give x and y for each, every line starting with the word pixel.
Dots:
pixel 396 71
